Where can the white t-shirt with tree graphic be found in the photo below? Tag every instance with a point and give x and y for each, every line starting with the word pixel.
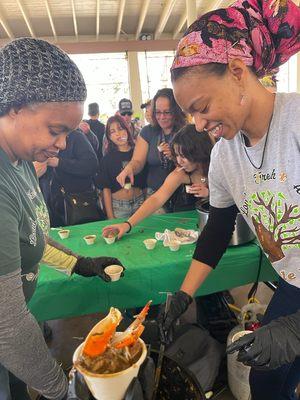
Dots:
pixel 269 197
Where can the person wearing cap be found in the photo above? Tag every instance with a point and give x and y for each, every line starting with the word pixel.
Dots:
pixel 147 106
pixel 255 168
pixel 96 126
pixel 42 95
pixel 126 111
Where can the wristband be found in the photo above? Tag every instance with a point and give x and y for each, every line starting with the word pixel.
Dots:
pixel 130 226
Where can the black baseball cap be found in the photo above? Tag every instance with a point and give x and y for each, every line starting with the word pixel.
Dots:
pixel 125 106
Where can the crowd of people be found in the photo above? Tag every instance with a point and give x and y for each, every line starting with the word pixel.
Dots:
pixel 241 132
pixel 123 163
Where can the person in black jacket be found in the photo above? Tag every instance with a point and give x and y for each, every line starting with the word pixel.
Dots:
pixel 74 170
pixel 96 126
pixel 92 138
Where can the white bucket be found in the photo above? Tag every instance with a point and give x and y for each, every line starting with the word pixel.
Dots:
pixel 238 373
pixel 110 386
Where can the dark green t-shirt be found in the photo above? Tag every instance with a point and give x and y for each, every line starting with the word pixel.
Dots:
pixel 24 221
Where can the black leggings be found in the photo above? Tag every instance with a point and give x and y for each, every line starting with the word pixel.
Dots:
pixel 280 383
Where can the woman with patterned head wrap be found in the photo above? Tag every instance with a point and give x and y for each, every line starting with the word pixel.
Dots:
pixel 42 95
pixel 254 167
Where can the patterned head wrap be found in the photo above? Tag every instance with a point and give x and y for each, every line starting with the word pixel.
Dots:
pixel 262 33
pixel 33 70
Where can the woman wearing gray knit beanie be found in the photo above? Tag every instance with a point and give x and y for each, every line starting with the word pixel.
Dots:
pixel 41 100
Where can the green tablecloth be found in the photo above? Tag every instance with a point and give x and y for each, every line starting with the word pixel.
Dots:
pixel 147 272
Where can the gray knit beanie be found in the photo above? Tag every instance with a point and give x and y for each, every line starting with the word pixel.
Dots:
pixel 35 71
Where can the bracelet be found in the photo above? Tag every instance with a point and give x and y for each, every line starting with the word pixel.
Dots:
pixel 130 226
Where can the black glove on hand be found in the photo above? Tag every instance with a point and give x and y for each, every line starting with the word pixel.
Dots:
pixel 178 305
pixel 272 345
pixel 87 266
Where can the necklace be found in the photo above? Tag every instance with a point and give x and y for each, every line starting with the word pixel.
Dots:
pixel 264 149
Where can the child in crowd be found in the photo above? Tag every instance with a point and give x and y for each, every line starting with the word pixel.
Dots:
pixel 191 150
pixel 120 202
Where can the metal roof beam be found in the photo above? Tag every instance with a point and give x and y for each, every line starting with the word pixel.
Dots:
pixel 5 26
pixel 98 19
pixel 164 18
pixel 120 18
pixel 74 19
pixel 213 6
pixel 180 25
pixel 51 19
pixel 142 18
pixel 26 19
pixel 191 11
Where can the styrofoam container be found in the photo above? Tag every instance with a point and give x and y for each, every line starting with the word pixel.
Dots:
pixel 89 239
pixel 64 233
pixel 114 272
pixel 150 243
pixel 110 386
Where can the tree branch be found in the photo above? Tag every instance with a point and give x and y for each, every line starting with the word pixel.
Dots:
pixel 287 214
pixel 267 206
pixel 291 240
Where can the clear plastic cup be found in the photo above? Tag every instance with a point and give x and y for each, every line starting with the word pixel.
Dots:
pixel 110 386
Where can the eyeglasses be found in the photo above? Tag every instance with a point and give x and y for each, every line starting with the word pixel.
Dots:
pixel 126 113
pixel 165 113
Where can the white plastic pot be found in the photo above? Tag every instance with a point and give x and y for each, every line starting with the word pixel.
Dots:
pixel 238 373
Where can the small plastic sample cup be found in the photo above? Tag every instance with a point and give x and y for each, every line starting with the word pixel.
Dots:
pixel 89 239
pixel 110 240
pixel 114 272
pixel 159 148
pixel 150 243
pixel 64 233
pixel 127 186
pixel 174 245
pixel 187 188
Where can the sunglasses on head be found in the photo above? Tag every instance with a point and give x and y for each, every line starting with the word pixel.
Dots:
pixel 126 113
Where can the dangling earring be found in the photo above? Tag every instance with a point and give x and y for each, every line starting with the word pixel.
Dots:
pixel 243 100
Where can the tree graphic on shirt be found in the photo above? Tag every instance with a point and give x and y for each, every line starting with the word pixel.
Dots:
pixel 276 223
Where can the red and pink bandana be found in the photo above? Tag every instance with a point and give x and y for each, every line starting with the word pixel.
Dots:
pixel 262 33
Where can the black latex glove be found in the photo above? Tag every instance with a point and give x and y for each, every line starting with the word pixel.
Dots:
pixel 272 345
pixel 178 305
pixel 87 266
pixel 141 388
